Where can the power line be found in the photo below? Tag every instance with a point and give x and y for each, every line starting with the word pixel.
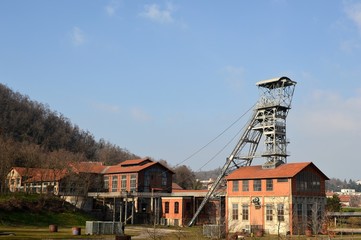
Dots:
pixel 214 139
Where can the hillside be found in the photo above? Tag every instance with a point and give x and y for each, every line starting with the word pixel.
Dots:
pixel 27 121
pixel 39 210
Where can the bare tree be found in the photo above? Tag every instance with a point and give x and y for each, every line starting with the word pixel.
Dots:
pixel 184 177
pixel 6 159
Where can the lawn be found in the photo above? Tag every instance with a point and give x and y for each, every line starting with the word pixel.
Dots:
pixel 11 232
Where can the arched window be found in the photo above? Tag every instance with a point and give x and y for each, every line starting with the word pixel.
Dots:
pixel 176 207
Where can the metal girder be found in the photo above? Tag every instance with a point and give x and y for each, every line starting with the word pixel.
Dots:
pixel 268 120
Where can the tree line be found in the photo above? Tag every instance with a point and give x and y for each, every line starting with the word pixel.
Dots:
pixel 34 136
pixel 335 185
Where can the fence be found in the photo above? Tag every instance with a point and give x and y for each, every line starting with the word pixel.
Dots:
pixel 214 231
pixel 99 227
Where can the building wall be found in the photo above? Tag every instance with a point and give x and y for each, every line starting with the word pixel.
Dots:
pixel 173 217
pixel 120 176
pixel 14 180
pixel 285 192
pixel 42 187
pixel 154 178
pixel 257 215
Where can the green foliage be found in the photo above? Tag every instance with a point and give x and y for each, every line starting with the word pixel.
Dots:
pixel 44 218
pixel 39 210
pixel 351 209
pixel 333 204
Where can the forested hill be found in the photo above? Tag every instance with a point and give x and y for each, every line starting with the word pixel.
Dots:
pixel 35 130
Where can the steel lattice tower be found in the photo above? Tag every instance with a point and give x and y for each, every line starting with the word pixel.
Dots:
pixel 272 109
pixel 268 120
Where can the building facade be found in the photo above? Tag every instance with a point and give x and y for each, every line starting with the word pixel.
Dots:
pixel 34 180
pixel 287 199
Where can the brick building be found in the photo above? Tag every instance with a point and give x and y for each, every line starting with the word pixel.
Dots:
pixel 289 198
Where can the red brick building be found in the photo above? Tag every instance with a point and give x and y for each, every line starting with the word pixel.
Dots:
pixel 286 199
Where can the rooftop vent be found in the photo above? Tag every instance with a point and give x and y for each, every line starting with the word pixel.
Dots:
pixel 272 165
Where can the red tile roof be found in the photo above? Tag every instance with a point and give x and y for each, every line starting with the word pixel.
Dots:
pixel 87 167
pixel 133 162
pixel 286 170
pixel 133 166
pixel 175 186
pixel 40 174
pixel 190 190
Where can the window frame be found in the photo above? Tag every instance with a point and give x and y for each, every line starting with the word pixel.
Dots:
pixel 257 185
pixel 235 186
pixel 176 207
pixel 234 211
pixel 280 212
pixel 245 212
pixel 114 183
pixel 133 182
pixel 123 183
pixel 106 182
pixel 269 212
pixel 269 184
pixel 166 207
pixel 245 185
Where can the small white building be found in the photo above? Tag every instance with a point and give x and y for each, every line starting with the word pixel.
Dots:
pixel 348 191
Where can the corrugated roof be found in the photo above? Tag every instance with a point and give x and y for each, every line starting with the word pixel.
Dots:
pixel 287 170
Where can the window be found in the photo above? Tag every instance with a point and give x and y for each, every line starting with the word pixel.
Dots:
pixel 235 186
pixel 257 185
pixel 308 182
pixel 114 183
pixel 133 183
pixel 146 181
pixel 166 207
pixel 282 180
pixel 245 212
pixel 234 211
pixel 164 179
pixel 245 186
pixel 124 183
pixel 299 211
pixel 106 183
pixel 176 207
pixel 269 212
pixel 309 212
pixel 280 212
pixel 269 185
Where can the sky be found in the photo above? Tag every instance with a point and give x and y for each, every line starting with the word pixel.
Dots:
pixel 164 78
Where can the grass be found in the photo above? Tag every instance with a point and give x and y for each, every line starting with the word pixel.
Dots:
pixel 39 211
pixel 43 219
pixel 43 233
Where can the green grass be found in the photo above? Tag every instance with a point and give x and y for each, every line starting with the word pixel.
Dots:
pixel 351 209
pixel 44 233
pixel 36 210
pixel 43 219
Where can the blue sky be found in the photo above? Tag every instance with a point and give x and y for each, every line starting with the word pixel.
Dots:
pixel 163 78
